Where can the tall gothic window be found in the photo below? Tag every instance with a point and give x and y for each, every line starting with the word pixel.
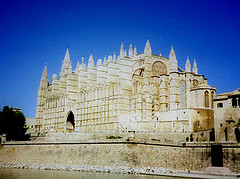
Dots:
pixel 183 103
pixel 206 99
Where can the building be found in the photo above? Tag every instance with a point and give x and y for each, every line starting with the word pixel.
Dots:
pixel 135 92
pixel 227 116
pixel 30 123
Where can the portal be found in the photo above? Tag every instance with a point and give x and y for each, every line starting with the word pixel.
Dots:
pixel 70 125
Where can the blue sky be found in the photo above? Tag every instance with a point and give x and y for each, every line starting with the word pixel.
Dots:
pixel 33 33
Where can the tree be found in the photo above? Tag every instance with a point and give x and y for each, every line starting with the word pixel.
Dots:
pixel 13 124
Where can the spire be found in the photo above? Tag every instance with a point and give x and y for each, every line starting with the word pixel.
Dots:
pixel 67 56
pixel 44 79
pixel 135 51
pixel 82 66
pixel 54 77
pixel 66 64
pixel 114 57
pixel 195 69
pixel 45 73
pixel 109 59
pixel 105 60
pixel 172 54
pixel 130 51
pixel 173 61
pixel 77 65
pixel 121 51
pixel 99 62
pixel 147 49
pixel 188 65
pixel 160 54
pixel 125 53
pixel 91 62
pixel 82 60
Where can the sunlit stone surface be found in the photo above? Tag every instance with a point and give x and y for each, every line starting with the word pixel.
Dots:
pixel 126 93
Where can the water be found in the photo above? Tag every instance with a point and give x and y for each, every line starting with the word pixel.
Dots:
pixel 10 173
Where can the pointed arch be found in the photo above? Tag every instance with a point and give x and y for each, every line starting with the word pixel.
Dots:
pixel 70 123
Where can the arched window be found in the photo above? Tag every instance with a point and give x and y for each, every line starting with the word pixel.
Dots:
pixel 206 99
pixel 183 103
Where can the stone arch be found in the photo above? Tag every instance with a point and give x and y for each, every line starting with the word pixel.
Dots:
pixel 159 68
pixel 206 99
pixel 70 123
pixel 183 99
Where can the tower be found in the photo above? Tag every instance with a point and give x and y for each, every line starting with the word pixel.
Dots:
pixel 41 99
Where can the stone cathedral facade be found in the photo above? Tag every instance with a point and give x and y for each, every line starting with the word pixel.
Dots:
pixel 131 92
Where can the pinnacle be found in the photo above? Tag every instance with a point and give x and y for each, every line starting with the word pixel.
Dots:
pixel 135 51
pixel 45 74
pixel 67 56
pixel 147 49
pixel 172 53
pixel 121 51
pixel 82 59
pixel 187 65
pixel 91 58
pixel 121 45
pixel 90 61
pixel 105 60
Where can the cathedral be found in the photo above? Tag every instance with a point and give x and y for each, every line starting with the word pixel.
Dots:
pixel 129 92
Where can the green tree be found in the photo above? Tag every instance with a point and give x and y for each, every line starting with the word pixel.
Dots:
pixel 12 123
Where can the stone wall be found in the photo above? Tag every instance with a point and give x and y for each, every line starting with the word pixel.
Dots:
pixel 195 157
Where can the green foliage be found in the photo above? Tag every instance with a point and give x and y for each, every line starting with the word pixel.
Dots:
pixel 113 137
pixel 12 123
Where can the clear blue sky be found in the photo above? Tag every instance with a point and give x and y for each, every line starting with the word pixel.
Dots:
pixel 33 33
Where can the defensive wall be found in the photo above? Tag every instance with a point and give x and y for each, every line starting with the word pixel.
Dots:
pixel 118 153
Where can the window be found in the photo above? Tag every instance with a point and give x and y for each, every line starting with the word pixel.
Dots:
pixel 234 102
pixel 219 105
pixel 212 96
pixel 206 99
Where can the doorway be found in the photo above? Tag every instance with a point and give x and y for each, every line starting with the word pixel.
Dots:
pixel 70 125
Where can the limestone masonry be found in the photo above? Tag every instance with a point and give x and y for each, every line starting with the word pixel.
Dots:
pixel 126 93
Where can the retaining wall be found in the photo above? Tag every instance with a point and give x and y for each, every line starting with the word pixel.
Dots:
pixel 195 157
